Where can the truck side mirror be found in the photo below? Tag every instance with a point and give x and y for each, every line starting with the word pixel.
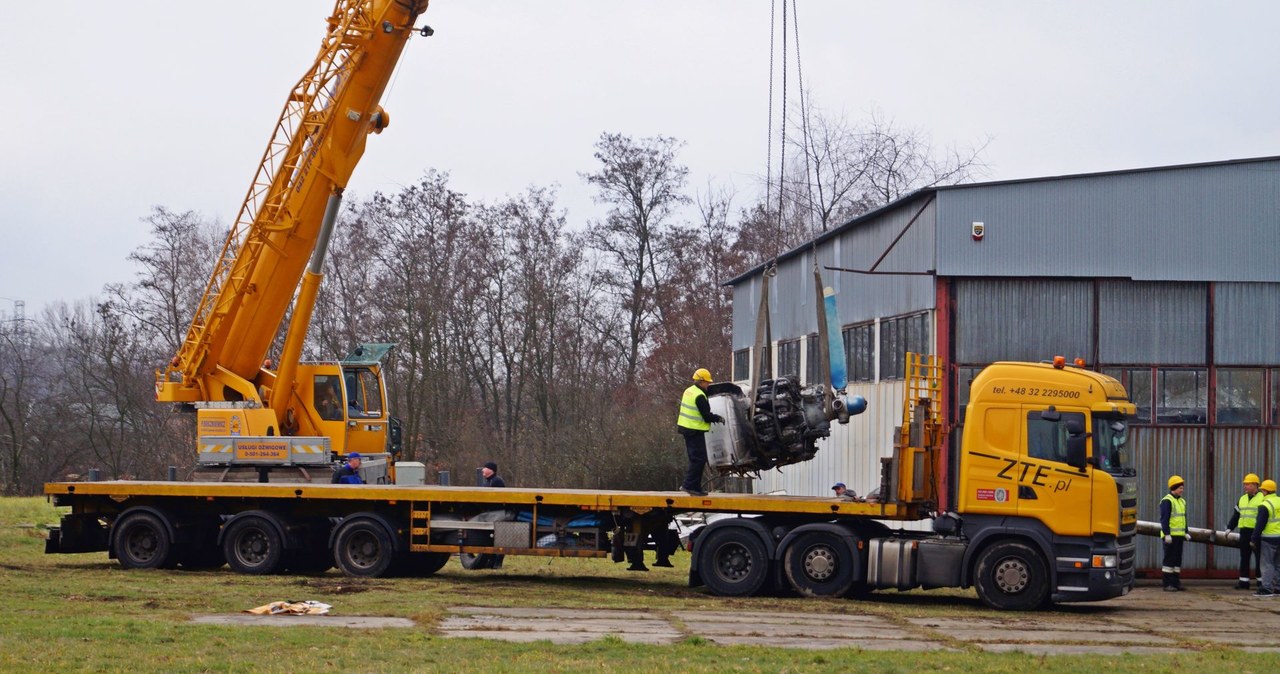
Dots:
pixel 1077 452
pixel 1051 414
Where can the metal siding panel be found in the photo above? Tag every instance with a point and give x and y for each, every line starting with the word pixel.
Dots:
pixel 1160 452
pixel 1152 323
pixel 1211 222
pixel 1237 451
pixel 861 297
pixel 1032 320
pixel 1244 320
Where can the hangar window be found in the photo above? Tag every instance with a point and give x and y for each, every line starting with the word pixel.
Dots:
pixel 813 360
pixel 897 337
pixel 1275 397
pixel 1238 395
pixel 860 351
pixel 1182 396
pixel 742 364
pixel 789 359
pixel 1137 383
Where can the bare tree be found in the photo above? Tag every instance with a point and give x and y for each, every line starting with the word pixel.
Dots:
pixel 641 182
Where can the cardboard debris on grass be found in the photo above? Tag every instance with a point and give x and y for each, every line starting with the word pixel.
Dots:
pixel 291 608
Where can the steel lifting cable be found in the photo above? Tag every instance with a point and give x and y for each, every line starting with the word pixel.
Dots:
pixel 768 161
pixel 804 122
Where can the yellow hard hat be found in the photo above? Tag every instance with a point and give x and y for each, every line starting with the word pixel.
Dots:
pixel 1174 481
pixel 1251 477
pixel 1269 485
pixel 702 374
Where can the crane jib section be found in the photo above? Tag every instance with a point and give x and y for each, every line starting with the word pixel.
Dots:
pixel 314 148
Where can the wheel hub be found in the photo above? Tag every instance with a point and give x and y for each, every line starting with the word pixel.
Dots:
pixel 1012 575
pixel 735 562
pixel 819 563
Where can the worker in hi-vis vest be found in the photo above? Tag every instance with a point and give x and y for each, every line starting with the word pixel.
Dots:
pixel 1173 526
pixel 1266 539
pixel 1245 516
pixel 694 421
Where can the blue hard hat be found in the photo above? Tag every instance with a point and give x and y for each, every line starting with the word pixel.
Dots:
pixel 354 455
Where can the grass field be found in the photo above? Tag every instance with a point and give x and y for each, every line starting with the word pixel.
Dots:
pixel 83 613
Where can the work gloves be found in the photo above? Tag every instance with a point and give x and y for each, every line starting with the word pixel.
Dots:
pixel 717 419
pixel 1168 540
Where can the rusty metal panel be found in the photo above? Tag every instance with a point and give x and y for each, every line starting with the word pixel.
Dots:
pixel 1022 319
pixel 1160 452
pixel 1140 323
pixel 1244 316
pixel 1236 451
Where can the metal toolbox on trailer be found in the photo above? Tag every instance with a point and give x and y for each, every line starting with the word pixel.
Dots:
pixel 891 562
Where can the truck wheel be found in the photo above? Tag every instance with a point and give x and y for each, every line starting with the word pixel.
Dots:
pixel 363 548
pixel 819 564
pixel 1012 577
pixel 733 562
pixel 252 545
pixel 142 542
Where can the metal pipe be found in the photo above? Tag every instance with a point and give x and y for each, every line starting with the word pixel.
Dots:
pixel 1227 538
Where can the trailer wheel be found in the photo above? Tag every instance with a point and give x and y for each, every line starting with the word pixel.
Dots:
pixel 1012 576
pixel 142 542
pixel 819 564
pixel 733 562
pixel 363 548
pixel 253 545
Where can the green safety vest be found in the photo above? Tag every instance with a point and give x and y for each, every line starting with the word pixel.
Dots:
pixel 1248 509
pixel 690 417
pixel 1177 515
pixel 1272 504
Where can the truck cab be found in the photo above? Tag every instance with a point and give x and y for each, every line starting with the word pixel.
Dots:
pixel 1044 458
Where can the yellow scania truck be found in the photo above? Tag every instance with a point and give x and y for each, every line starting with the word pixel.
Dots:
pixel 1035 503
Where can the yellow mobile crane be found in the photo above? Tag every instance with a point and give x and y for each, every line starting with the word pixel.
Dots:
pixel 252 418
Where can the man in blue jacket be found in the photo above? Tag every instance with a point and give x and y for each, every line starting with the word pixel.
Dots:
pixel 349 473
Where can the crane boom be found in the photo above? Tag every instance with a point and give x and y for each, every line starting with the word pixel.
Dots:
pixel 314 148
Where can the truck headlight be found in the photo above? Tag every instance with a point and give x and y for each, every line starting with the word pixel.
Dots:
pixel 1104 561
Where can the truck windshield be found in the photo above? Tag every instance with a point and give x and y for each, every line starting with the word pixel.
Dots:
pixel 1111 445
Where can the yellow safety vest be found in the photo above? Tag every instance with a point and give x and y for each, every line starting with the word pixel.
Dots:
pixel 1248 509
pixel 1177 515
pixel 690 417
pixel 1272 504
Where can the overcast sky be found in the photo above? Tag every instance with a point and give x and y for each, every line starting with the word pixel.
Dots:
pixel 111 108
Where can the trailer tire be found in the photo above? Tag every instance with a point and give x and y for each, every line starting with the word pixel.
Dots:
pixel 363 548
pixel 733 562
pixel 819 564
pixel 1012 576
pixel 142 541
pixel 253 545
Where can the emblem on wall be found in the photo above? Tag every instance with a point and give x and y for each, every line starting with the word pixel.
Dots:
pixel 978 230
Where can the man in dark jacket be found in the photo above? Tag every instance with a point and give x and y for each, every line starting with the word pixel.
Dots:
pixel 693 422
pixel 349 473
pixel 490 472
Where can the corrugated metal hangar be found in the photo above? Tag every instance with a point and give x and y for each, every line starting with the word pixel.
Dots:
pixel 1167 278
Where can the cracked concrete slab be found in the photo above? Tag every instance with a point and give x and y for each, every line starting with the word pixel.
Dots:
pixel 349 622
pixel 1074 649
